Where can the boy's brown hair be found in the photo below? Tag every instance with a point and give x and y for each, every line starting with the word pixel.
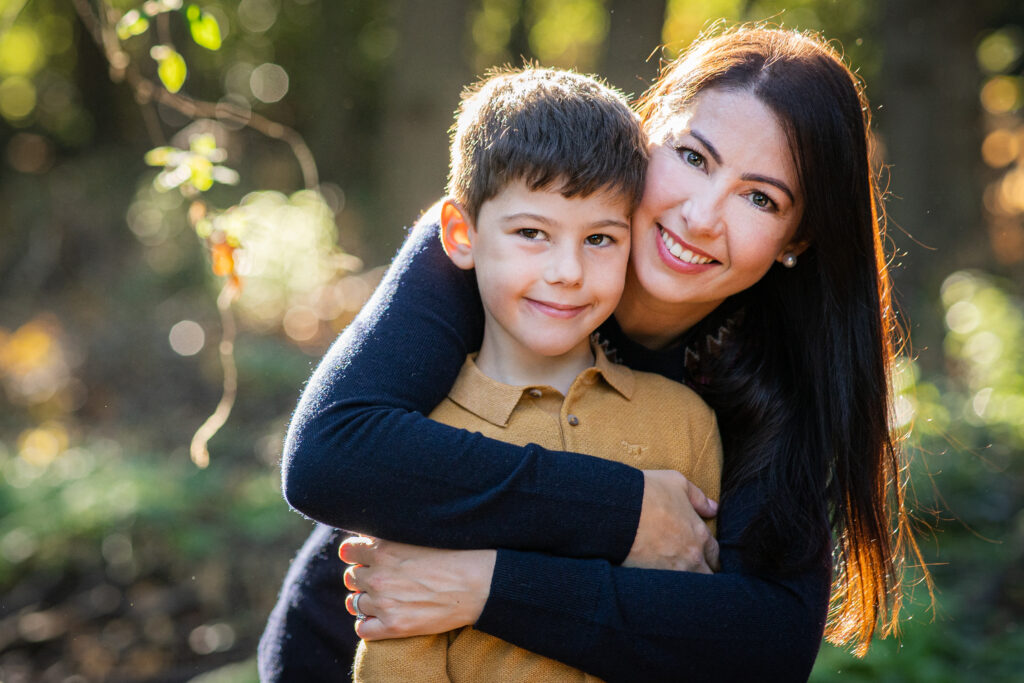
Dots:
pixel 548 128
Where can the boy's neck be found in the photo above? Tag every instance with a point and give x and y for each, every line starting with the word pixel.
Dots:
pixel 509 363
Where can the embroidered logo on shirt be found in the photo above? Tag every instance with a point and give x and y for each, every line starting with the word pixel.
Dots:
pixel 634 450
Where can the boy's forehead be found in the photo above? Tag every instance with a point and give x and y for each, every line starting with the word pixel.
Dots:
pixel 610 198
pixel 550 203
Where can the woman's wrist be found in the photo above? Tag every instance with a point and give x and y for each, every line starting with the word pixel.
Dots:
pixel 478 567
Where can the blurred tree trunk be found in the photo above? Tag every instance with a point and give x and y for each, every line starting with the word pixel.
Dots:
pixel 422 90
pixel 929 126
pixel 634 34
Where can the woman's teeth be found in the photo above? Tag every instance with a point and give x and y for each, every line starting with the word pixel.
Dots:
pixel 680 253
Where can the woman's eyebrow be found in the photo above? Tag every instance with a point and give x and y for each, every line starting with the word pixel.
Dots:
pixel 711 148
pixel 771 181
pixel 748 176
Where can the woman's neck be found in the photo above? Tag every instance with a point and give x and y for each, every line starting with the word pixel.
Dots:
pixel 654 323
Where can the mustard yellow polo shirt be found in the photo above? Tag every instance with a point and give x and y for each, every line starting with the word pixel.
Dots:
pixel 637 418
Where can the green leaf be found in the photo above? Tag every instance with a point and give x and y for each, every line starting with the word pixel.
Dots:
pixel 203 144
pixel 131 24
pixel 171 68
pixel 159 156
pixel 204 27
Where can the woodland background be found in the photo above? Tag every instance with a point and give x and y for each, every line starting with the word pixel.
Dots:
pixel 317 131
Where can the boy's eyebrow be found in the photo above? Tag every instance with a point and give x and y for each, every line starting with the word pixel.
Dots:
pixel 746 176
pixel 540 218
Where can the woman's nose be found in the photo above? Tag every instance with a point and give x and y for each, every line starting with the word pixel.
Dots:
pixel 703 213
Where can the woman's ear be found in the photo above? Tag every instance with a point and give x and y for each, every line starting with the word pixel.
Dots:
pixel 456 234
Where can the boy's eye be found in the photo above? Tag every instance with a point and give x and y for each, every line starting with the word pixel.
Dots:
pixel 530 233
pixel 599 240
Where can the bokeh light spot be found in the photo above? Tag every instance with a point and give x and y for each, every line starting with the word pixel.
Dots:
pixel 999 50
pixel 980 401
pixel 1001 94
pixel 983 348
pixel 257 16
pixel 187 338
pixel 30 153
pixel 210 638
pixel 1000 148
pixel 1011 191
pixel 18 545
pixel 301 323
pixel 17 98
pixel 41 445
pixel 963 317
pixel 21 51
pixel 903 411
pixel 269 82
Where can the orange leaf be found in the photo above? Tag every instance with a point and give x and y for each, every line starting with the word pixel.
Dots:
pixel 223 259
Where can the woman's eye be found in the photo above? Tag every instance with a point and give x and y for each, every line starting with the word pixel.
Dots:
pixel 761 200
pixel 530 233
pixel 692 157
pixel 599 240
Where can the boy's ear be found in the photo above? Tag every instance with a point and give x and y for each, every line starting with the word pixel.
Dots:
pixel 456 231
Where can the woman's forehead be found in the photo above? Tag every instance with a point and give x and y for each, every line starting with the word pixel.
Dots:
pixel 735 122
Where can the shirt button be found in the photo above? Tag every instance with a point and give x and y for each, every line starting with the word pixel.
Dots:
pixel 536 393
pixel 572 420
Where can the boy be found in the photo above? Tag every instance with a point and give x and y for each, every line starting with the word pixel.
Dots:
pixel 547 167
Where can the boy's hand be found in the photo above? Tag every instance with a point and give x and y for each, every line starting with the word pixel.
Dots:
pixel 671 533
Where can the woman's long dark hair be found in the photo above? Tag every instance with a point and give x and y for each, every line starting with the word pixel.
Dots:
pixel 803 395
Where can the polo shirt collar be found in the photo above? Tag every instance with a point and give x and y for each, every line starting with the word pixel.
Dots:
pixel 494 401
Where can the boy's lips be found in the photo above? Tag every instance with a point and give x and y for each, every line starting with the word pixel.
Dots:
pixel 555 309
pixel 680 256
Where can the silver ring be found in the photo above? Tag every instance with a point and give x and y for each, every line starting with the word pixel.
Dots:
pixel 355 607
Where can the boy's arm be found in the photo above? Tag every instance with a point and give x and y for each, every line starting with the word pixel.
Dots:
pixel 360 454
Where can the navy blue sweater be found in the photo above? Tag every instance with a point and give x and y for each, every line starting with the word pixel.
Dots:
pixel 360 455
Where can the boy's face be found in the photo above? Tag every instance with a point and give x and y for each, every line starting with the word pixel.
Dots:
pixel 550 269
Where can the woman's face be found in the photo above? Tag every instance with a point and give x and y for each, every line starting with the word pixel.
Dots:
pixel 721 203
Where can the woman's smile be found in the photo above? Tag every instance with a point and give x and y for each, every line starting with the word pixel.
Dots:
pixel 678 255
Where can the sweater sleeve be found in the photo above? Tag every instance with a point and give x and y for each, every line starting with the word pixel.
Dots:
pixel 625 624
pixel 360 455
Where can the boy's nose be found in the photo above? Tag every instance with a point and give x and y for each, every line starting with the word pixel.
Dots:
pixel 564 267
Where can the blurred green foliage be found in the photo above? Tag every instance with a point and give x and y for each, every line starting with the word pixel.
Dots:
pixel 267 125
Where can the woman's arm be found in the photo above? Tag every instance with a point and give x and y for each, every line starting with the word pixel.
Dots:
pixel 614 622
pixel 360 454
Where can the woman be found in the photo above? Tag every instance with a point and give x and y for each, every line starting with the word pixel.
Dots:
pixel 759 140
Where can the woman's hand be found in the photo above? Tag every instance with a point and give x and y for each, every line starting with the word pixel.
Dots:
pixel 407 590
pixel 671 533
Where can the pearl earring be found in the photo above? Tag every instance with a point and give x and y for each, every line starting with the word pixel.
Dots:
pixel 789 259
